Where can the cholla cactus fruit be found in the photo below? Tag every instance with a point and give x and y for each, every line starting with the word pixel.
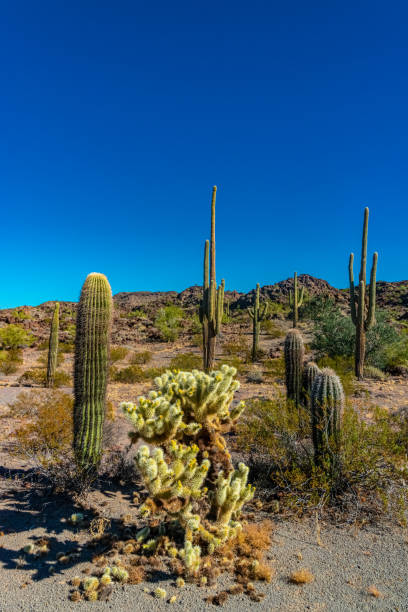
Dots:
pixel 173 599
pixel 160 593
pixel 119 574
pixel 90 584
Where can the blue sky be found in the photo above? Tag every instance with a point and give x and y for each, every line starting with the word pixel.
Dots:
pixel 117 118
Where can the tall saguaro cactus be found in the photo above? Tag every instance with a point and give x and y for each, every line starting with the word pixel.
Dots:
pixel 212 305
pixel 294 353
pixel 257 314
pixel 53 348
pixel 296 299
pixel 362 314
pixel 91 369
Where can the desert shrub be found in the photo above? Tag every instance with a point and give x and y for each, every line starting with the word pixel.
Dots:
pixel 236 362
pixel 270 328
pixel 117 353
pixel 168 322
pixel 8 367
pixel 130 374
pixel 140 358
pixel 275 368
pixel 65 347
pixel 255 376
pixel 373 468
pixel 186 361
pixel 47 428
pixel 236 346
pixel 43 359
pixel 196 339
pixel 38 376
pixel 14 336
pixel 70 331
pixel 374 373
pixel 151 373
pixel 195 324
pixel 21 315
pixel 137 313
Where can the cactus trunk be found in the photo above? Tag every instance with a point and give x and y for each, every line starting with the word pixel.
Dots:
pixel 53 348
pixel 310 371
pixel 363 316
pixel 327 405
pixel 257 315
pixel 294 354
pixel 212 305
pixel 91 369
pixel 295 300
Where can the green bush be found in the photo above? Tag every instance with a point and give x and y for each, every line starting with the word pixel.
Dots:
pixel 66 347
pixel 344 368
pixel 141 357
pixel 21 315
pixel 187 362
pixel 117 353
pixel 270 328
pixel 14 336
pixel 137 313
pixel 168 322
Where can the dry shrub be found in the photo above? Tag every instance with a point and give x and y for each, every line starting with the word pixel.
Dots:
pixel 372 590
pixel 302 576
pixel 117 353
pixel 236 347
pixel 137 574
pixel 47 431
pixel 141 358
pixel 38 376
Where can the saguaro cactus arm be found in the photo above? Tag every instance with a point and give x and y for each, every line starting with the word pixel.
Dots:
pixel 352 291
pixel 372 294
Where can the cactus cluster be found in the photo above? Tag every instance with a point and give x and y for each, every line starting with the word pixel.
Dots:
pixel 294 353
pixel 212 305
pixel 257 314
pixel 185 416
pixel 91 369
pixel 362 315
pixel 296 300
pixel 53 348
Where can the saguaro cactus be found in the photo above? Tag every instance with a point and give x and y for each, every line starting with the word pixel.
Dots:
pixel 257 315
pixel 294 353
pixel 296 300
pixel 310 371
pixel 212 305
pixel 53 348
pixel 327 405
pixel 363 316
pixel 91 368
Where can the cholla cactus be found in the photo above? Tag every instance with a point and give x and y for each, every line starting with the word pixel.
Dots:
pixel 185 415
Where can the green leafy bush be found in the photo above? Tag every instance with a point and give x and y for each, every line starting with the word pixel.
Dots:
pixel 186 361
pixel 14 336
pixel 131 374
pixel 21 315
pixel 141 358
pixel 168 322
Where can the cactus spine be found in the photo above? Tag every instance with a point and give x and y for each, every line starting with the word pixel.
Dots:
pixel 94 317
pixel 363 316
pixel 257 315
pixel 294 354
pixel 212 305
pixel 310 371
pixel 296 300
pixel 53 348
pixel 327 405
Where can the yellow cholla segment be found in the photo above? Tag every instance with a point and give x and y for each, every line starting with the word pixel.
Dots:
pixel 231 494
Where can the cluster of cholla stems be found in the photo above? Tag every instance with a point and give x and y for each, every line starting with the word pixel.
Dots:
pixel 187 468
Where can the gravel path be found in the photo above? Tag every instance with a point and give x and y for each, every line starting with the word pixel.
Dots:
pixel 345 565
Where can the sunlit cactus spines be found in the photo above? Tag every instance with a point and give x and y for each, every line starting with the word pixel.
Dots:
pixel 93 327
pixel 53 348
pixel 294 354
pixel 327 406
pixel 296 300
pixel 310 371
pixel 362 313
pixel 257 314
pixel 191 469
pixel 212 305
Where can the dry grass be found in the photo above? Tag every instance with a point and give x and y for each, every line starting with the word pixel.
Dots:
pixel 302 576
pixel 372 590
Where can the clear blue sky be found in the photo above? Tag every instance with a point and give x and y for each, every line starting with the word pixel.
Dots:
pixel 116 119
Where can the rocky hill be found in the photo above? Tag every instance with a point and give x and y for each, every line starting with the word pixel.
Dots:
pixel 135 311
